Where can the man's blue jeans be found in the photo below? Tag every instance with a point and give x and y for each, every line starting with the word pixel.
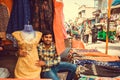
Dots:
pixel 62 66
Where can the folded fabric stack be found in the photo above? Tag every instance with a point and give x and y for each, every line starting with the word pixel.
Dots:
pixel 95 63
pixel 89 77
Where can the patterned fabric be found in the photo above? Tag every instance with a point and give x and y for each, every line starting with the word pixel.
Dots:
pixel 20 15
pixel 90 77
pixel 103 71
pixel 49 56
pixel 83 52
pixel 42 14
pixel 8 3
pixel 4 17
pixel 25 67
pixel 111 58
pixel 92 54
pixel 108 63
pixel 106 78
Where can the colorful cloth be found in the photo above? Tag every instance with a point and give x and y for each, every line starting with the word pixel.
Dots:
pixel 20 15
pixel 4 17
pixel 42 14
pixel 90 77
pixel 93 54
pixel 98 70
pixel 77 44
pixel 8 3
pixel 58 26
pixel 107 63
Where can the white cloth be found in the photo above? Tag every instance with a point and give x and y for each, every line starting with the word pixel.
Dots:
pixel 4 73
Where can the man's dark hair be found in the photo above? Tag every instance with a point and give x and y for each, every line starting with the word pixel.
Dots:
pixel 46 32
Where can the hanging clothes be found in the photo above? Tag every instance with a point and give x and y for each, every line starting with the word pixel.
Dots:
pixel 42 14
pixel 58 26
pixel 4 17
pixel 8 3
pixel 20 15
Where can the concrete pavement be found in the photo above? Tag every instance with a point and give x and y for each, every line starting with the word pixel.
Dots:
pixel 113 48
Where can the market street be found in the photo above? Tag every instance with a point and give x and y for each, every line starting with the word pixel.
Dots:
pixel 113 48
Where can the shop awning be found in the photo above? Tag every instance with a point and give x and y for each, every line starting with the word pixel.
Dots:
pixel 115 7
pixel 115 2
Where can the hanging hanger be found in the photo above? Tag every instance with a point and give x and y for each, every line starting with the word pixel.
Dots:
pixel 28 22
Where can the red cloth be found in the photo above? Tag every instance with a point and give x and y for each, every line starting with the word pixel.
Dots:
pixel 8 3
pixel 58 26
pixel 93 54
pixel 77 44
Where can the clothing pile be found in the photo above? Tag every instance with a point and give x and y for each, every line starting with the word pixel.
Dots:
pixel 95 63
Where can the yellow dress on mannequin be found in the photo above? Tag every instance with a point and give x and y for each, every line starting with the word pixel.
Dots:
pixel 25 67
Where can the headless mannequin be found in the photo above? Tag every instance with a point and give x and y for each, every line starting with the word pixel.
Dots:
pixel 28 28
pixel 28 33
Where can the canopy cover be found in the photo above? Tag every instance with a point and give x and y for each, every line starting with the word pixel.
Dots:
pixel 115 2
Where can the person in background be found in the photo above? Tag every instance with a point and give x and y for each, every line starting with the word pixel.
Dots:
pixel 50 61
pixel 87 32
pixel 75 32
pixel 94 34
pixel 118 31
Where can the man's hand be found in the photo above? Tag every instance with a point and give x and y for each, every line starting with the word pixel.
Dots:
pixel 22 53
pixel 40 63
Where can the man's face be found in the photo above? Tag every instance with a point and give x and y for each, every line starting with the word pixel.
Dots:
pixel 47 39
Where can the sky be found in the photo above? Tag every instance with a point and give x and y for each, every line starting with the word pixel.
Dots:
pixel 70 8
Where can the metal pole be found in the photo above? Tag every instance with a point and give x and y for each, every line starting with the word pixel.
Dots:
pixel 108 21
pixel 107 36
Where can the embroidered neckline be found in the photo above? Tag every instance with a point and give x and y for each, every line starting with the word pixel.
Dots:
pixel 28 45
pixel 31 40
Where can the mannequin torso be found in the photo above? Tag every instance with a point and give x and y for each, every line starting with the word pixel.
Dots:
pixel 27 40
pixel 28 33
pixel 28 28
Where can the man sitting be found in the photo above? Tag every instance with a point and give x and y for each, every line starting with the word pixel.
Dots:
pixel 50 61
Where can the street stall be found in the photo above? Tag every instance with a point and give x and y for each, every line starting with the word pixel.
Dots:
pixel 90 61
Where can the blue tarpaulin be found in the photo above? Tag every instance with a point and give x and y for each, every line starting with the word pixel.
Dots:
pixel 115 2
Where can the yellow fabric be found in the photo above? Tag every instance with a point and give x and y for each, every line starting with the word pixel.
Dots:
pixel 25 67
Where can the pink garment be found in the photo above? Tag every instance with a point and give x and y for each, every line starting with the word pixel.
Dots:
pixel 58 26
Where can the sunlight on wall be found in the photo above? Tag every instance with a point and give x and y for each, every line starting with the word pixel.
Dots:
pixel 70 8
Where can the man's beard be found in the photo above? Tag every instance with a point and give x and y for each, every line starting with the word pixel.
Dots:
pixel 47 43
